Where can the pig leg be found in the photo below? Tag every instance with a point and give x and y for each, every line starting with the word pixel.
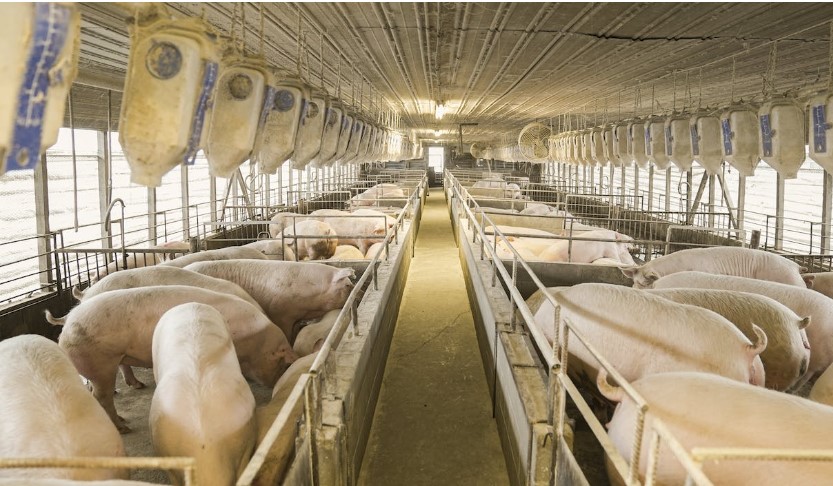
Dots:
pixel 102 376
pixel 130 378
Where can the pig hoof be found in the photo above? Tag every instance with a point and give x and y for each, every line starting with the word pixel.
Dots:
pixel 136 385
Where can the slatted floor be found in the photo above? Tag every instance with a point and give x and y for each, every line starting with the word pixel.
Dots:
pixel 433 423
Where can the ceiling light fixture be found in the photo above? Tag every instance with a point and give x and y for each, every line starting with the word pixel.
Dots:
pixel 440 111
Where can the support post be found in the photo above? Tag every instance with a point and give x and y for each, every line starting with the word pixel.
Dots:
pixel 104 189
pixel 779 212
pixel 650 188
pixel 636 184
pixel 186 211
pixel 826 210
pixel 45 265
pixel 711 200
pixel 152 233
pixel 741 201
pixel 212 200
pixel 668 190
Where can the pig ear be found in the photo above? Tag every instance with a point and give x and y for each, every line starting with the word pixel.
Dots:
pixel 612 393
pixel 803 323
pixel 808 280
pixel 760 344
pixel 344 273
pixel 630 272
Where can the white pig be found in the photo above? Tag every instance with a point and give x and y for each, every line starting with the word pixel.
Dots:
pixel 266 414
pixel 45 411
pixel 347 252
pixel 316 240
pixel 821 282
pixel 376 249
pixel 312 336
pixel 117 327
pixel 703 410
pixel 640 334
pixel 272 249
pixel 785 358
pixel 583 251
pixel 287 291
pixel 70 482
pixel 722 260
pixel 357 230
pixel 802 301
pixel 822 390
pixel 228 253
pixel 282 220
pixel 202 406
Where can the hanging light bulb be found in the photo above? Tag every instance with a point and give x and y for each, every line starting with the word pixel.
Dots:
pixel 440 112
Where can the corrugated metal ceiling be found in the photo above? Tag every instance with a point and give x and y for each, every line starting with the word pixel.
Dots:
pixel 502 65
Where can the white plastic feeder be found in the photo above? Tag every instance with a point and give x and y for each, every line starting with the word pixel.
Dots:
pixel 636 143
pixel 344 136
pixel 587 147
pixel 170 83
pixel 621 158
pixel 308 139
pixel 705 142
pixel 329 136
pixel 276 139
pixel 238 104
pixel 820 127
pixel 607 144
pixel 678 141
pixel 655 142
pixel 597 146
pixel 353 144
pixel 739 138
pixel 781 141
pixel 39 62
pixel 367 135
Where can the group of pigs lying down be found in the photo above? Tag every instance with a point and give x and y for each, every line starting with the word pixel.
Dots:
pixel 204 329
pixel 717 341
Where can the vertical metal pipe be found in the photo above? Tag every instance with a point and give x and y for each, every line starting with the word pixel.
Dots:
pixel 152 234
pixel 668 189
pixel 212 199
pixel 103 157
pixel 636 185
pixel 41 180
pixel 779 212
pixel 601 179
pixel 186 211
pixel 650 188
pixel 610 180
pixel 826 210
pixel 688 201
pixel 741 201
pixel 623 188
pixel 711 199
pixel 592 179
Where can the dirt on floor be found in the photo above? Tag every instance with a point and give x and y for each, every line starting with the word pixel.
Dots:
pixel 134 407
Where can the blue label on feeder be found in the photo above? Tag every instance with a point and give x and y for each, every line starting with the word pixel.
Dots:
pixel 648 140
pixel 304 105
pixel 209 79
pixel 695 140
pixel 819 129
pixel 727 136
pixel 766 136
pixel 50 31
pixel 668 140
pixel 268 102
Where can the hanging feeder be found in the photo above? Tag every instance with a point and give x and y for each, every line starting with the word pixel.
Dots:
pixel 597 146
pixel 655 142
pixel 238 104
pixel 706 148
pixel 819 110
pixel 781 123
pixel 279 123
pixel 739 138
pixel 578 154
pixel 356 133
pixel 607 144
pixel 636 143
pixel 678 141
pixel 170 83
pixel 621 158
pixel 344 136
pixel 308 139
pixel 329 135
pixel 587 147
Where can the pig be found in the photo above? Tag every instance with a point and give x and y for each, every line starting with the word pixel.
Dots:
pixel 315 240
pixel 822 391
pixel 266 414
pixel 640 334
pixel 802 301
pixel 519 231
pixel 176 247
pixel 228 253
pixel 117 327
pixel 588 251
pixel 703 410
pixel 312 335
pixel 821 282
pixel 785 358
pixel 272 249
pixel 135 260
pixel 606 261
pixel 537 209
pixel 371 196
pixel 46 412
pixel 287 291
pixel 357 230
pixel 70 482
pixel 722 260
pixel 504 252
pixel 347 252
pixel 282 220
pixel 376 249
pixel 202 406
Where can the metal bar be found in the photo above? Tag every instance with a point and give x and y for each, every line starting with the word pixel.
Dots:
pixel 780 186
pixel 650 188
pixel 636 182
pixel 41 180
pixel 711 199
pixel 186 213
pixel 152 234
pixel 668 189
pixel 741 200
pixel 692 210
pixel 826 211
pixel 103 156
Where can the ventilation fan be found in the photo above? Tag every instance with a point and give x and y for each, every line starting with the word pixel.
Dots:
pixel 533 142
pixel 171 75
pixel 476 151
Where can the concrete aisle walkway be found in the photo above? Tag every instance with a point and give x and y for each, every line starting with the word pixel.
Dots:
pixel 433 423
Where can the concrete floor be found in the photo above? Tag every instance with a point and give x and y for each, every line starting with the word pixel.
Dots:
pixel 433 423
